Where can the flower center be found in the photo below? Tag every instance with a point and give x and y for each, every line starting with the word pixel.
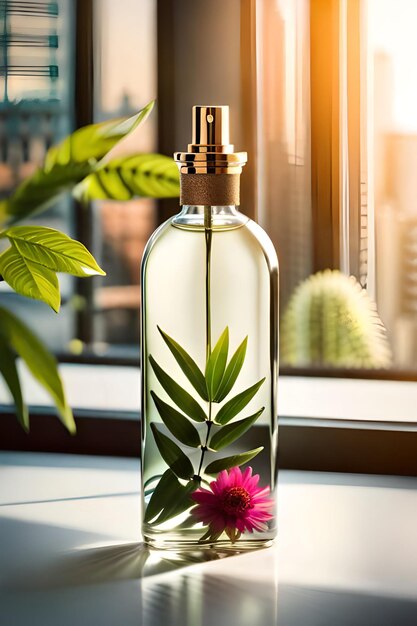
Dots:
pixel 236 500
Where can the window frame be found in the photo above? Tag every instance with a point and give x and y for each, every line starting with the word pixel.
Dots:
pixel 84 114
pixel 313 435
pixel 307 443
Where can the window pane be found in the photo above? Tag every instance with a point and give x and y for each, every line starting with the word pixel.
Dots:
pixel 125 53
pixel 38 87
pixel 36 110
pixel 338 150
pixel 393 119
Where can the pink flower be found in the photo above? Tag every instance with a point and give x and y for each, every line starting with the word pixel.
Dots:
pixel 234 504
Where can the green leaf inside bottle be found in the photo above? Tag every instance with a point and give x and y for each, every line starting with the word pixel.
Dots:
pixel 232 461
pixel 216 364
pixel 178 424
pixel 172 454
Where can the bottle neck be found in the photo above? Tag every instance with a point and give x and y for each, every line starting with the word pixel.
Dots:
pixel 210 189
pixel 214 217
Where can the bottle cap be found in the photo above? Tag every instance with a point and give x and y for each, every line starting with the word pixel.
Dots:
pixel 210 130
pixel 210 151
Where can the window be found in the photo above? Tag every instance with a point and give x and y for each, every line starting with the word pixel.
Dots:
pixel 320 95
pixel 337 154
pixel 46 92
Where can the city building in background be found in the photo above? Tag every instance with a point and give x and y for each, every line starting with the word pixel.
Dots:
pixel 35 102
pixel 37 110
pixel 392 50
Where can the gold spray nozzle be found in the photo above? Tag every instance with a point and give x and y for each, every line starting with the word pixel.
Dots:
pixel 210 129
pixel 210 151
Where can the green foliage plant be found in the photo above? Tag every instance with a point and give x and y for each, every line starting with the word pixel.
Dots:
pixel 170 496
pixel 83 165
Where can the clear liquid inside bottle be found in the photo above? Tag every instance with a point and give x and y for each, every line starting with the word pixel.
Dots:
pixel 206 269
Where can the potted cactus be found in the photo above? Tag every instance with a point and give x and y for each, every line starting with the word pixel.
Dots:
pixel 331 321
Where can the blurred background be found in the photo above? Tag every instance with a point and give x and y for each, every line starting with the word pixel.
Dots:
pixel 323 96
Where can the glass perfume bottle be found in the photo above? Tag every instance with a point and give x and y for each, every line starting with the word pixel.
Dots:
pixel 209 359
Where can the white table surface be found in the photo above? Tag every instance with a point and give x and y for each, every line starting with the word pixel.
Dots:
pixel 70 553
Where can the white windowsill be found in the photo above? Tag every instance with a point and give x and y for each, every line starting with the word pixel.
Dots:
pixel 117 388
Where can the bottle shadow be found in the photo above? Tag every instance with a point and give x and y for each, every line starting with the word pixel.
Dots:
pixel 55 569
pixel 132 561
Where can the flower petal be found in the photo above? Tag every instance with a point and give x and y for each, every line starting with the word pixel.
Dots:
pixel 216 510
pixel 204 497
pixel 260 493
pixel 222 480
pixel 246 475
pixel 252 483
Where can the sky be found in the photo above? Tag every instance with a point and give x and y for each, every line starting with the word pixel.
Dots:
pixel 392 28
pixel 127 63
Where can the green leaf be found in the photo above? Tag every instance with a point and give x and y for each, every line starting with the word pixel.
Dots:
pixel 10 374
pixel 179 504
pixel 30 279
pixel 167 488
pixel 53 249
pixel 169 498
pixel 173 456
pixel 187 364
pixel 232 371
pixel 182 398
pixel 40 362
pixel 226 435
pixel 236 404
pixel 216 363
pixel 151 480
pixel 39 191
pixel 94 141
pixel 178 424
pixel 123 178
pixel 66 165
pixel 232 461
